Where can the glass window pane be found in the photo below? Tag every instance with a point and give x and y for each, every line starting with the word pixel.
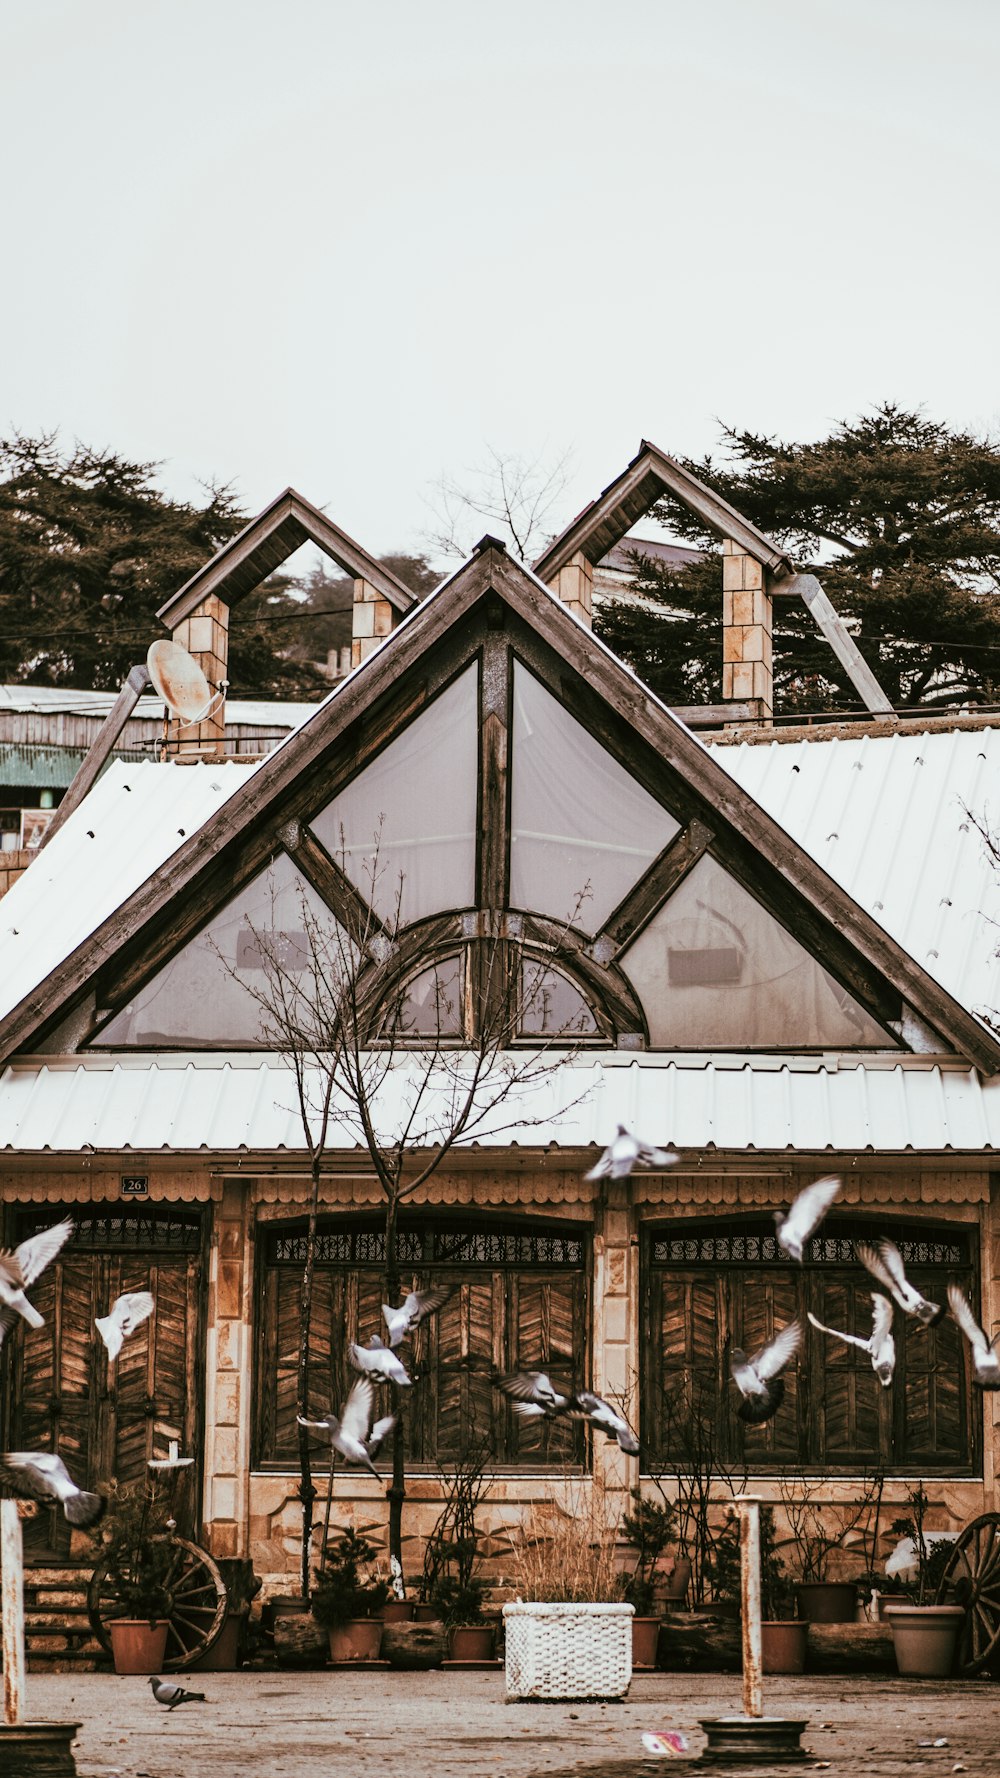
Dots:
pixel 551 1006
pixel 432 1003
pixel 715 970
pixel 409 819
pixel 578 819
pixel 199 996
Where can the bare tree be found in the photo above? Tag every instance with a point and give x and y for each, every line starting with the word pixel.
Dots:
pixel 409 1076
pixel 509 491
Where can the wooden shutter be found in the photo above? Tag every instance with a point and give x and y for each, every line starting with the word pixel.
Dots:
pixel 930 1429
pixel 763 1302
pixel 686 1324
pixel 56 1396
pixel 851 1423
pixel 547 1323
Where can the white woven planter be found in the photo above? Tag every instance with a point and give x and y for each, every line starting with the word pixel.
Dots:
pixel 568 1651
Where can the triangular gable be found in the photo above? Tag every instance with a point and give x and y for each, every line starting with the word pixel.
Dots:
pixel 267 541
pixel 493 611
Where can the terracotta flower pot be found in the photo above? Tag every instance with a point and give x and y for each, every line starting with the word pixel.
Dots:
pixel 472 1642
pixel 827 1601
pixel 137 1645
pixel 358 1640
pixel 675 1573
pixel 783 1645
pixel 426 1613
pixel 924 1638
pixel 645 1636
pixel 397 1611
pixel 224 1654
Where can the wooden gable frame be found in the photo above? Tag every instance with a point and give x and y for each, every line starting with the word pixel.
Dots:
pixel 652 474
pixel 490 611
pixel 267 541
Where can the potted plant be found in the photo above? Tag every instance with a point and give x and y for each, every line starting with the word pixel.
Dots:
pixel 450 1589
pixel 458 1603
pixel 569 1633
pixel 649 1528
pixel 139 1559
pixel 923 1635
pixel 816 1533
pixel 242 1587
pixel 346 1603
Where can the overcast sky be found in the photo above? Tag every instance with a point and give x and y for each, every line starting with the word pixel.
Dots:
pixel 348 247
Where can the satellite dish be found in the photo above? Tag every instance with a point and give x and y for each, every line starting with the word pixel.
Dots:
pixel 180 681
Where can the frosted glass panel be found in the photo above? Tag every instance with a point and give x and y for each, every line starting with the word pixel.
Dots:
pixel 577 816
pixel 551 1006
pixel 714 970
pixel 199 996
pixel 411 814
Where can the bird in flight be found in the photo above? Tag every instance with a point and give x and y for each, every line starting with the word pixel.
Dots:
pixel 597 1412
pixel 806 1214
pixel 985 1364
pixel 627 1151
pixel 885 1263
pixel 350 1433
pixel 377 1360
pixel 535 1398
pixel 41 1475
pixel 758 1379
pixel 126 1314
pixel 165 1692
pixel 412 1311
pixel 880 1345
pixel 20 1268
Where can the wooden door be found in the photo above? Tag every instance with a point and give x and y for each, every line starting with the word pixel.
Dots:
pixel 106 1420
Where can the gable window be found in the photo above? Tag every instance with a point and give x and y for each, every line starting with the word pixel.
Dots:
pixel 710 1287
pixel 518 1301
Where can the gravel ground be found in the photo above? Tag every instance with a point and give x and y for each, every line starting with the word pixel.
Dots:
pixel 449 1725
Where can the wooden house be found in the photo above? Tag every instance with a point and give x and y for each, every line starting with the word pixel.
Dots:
pixel 780 967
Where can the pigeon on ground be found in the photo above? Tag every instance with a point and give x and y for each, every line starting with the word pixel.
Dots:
pixel 377 1360
pixel 414 1309
pixel 165 1692
pixel 806 1214
pixel 880 1346
pixel 885 1262
pixel 586 1406
pixel 533 1395
pixel 625 1151
pixel 350 1435
pixel 18 1270
pixel 985 1364
pixel 41 1475
pixel 127 1313
pixel 757 1379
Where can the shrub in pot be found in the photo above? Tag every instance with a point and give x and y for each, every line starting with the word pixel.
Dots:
pixel 817 1531
pixel 139 1557
pixel 649 1527
pixel 229 1647
pixel 924 1635
pixel 459 1605
pixel 346 1602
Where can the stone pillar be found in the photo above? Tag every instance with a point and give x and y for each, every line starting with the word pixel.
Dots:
pixel 227 1396
pixel 616 1349
pixel 746 631
pixel 205 635
pixel 574 585
pixel 372 618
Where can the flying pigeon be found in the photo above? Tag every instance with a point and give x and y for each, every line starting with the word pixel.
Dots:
pixel 350 1435
pixel 757 1379
pixel 589 1407
pixel 985 1364
pixel 885 1262
pixel 19 1269
pixel 377 1360
pixel 806 1214
pixel 41 1475
pixel 622 1154
pixel 533 1395
pixel 412 1311
pixel 127 1313
pixel 165 1692
pixel 880 1346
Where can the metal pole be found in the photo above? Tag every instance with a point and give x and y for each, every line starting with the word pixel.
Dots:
pixel 12 1601
pixel 749 1511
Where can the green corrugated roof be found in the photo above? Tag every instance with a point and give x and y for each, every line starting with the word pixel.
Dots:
pixel 39 768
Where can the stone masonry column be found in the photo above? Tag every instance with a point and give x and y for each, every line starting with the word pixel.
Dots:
pixel 205 635
pixel 616 1348
pixel 228 1382
pixel 574 585
pixel 371 619
pixel 747 671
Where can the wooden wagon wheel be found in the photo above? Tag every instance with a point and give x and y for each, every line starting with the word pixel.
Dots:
pixel 197 1595
pixel 972 1578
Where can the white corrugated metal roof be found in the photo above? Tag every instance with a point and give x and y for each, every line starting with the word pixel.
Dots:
pixel 766 1104
pixel 50 700
pixel 885 816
